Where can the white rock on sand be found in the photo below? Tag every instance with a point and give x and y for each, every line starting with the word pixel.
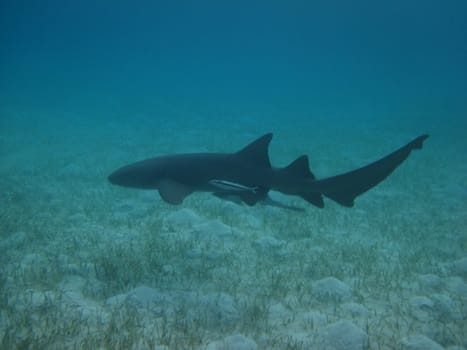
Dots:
pixel 419 342
pixel 342 335
pixel 330 288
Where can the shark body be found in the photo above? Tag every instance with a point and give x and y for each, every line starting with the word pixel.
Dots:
pixel 249 176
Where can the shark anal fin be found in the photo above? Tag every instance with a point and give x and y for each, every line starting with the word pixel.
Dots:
pixel 173 192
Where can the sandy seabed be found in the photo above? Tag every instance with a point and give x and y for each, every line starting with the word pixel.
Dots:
pixel 88 265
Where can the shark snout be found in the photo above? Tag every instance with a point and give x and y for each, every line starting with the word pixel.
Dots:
pixel 135 176
pixel 112 178
pixel 119 177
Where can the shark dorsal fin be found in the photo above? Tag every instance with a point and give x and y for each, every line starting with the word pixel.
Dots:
pixel 257 151
pixel 300 168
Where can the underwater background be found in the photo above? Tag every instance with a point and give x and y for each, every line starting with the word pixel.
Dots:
pixel 89 86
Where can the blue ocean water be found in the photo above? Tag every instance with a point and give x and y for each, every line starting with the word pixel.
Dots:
pixel 86 87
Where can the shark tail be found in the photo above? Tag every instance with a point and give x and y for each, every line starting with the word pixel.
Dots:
pixel 344 188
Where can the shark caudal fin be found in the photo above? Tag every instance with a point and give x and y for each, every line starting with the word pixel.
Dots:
pixel 344 188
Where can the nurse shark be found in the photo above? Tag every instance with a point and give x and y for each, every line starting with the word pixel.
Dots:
pixel 248 176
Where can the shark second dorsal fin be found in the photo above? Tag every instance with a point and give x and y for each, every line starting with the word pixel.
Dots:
pixel 300 168
pixel 257 151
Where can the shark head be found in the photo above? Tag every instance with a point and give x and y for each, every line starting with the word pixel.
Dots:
pixel 142 175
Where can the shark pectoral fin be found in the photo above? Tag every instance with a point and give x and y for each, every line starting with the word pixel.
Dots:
pixel 172 191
